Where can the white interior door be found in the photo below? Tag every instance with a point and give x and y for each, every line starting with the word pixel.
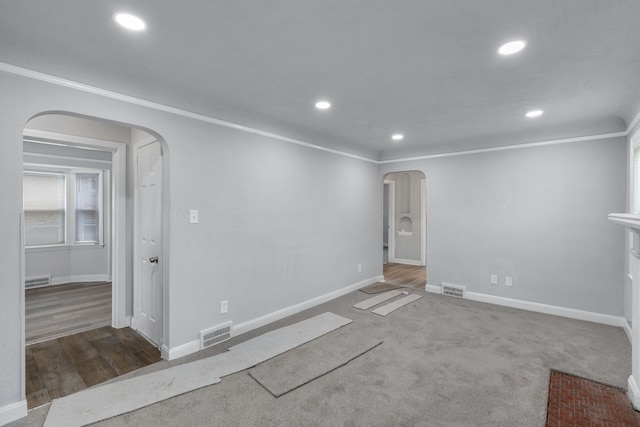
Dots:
pixel 148 266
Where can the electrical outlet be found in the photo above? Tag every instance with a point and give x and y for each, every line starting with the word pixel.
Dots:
pixel 224 306
pixel 508 281
pixel 359 268
pixel 494 279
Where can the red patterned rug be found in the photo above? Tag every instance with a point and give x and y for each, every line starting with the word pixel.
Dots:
pixel 575 401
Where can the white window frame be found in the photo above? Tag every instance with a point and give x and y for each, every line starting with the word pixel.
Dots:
pixel 70 203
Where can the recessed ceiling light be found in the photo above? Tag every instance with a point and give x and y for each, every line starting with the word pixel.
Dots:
pixel 534 113
pixel 397 137
pixel 130 22
pixel 512 47
pixel 323 105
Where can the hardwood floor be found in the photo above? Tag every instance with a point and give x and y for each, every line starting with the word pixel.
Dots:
pixel 412 276
pixel 69 364
pixel 60 310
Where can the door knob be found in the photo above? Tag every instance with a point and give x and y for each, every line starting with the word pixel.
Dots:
pixel 153 259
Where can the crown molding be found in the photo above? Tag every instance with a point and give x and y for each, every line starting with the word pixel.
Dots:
pixel 58 81
pixel 36 75
pixel 509 147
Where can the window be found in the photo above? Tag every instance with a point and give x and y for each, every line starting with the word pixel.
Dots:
pixel 87 207
pixel 63 207
pixel 44 208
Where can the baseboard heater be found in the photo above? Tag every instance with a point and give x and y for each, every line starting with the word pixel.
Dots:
pixel 37 281
pixel 453 290
pixel 215 335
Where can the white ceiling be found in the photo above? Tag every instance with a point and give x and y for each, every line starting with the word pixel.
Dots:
pixel 426 68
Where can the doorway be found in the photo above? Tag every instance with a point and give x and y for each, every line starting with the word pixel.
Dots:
pixel 404 228
pixel 85 162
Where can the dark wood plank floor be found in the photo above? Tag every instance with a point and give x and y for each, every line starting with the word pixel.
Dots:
pixel 60 310
pixel 412 276
pixel 66 365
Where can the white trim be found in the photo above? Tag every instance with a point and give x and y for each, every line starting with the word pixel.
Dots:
pixel 59 157
pixel 391 217
pixel 24 72
pixel 12 69
pixel 423 221
pixel 20 409
pixel 180 351
pixel 627 330
pixel 119 237
pixel 80 278
pixel 291 310
pixel 194 346
pixel 433 289
pixel 13 412
pixel 633 392
pixel 406 261
pixel 633 123
pixel 626 220
pixel 571 313
pixel 508 147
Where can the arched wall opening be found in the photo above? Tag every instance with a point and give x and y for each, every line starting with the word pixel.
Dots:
pixel 94 236
pixel 404 228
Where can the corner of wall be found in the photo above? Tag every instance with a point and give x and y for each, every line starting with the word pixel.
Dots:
pixel 13 412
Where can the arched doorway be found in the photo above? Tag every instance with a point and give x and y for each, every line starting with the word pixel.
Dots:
pixel 404 228
pixel 83 238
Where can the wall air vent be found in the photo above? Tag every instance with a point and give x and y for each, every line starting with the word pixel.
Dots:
pixel 215 335
pixel 453 290
pixel 37 282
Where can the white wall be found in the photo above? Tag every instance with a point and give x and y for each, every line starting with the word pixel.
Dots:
pixel 280 224
pixel 536 214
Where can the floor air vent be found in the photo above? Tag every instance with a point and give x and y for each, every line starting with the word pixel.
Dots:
pixel 215 335
pixel 37 282
pixel 453 290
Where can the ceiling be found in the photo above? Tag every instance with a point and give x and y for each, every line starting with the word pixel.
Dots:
pixel 425 68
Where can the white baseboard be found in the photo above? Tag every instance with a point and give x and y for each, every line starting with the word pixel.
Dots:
pixel 80 278
pixel 627 329
pixel 571 313
pixel 433 289
pixel 194 346
pixel 241 328
pixel 180 351
pixel 633 392
pixel 13 412
pixel 406 261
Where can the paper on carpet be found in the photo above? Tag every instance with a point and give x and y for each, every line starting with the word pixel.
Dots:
pixel 304 364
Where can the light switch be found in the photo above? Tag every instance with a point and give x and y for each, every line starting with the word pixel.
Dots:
pixel 193 216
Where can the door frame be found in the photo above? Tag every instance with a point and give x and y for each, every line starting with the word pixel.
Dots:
pixel 161 344
pixel 119 318
pixel 423 219
pixel 391 215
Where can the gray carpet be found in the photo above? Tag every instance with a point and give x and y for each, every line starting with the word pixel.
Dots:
pixel 444 362
pixel 306 363
pixel 134 393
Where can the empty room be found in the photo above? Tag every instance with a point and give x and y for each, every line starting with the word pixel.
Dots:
pixel 320 213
